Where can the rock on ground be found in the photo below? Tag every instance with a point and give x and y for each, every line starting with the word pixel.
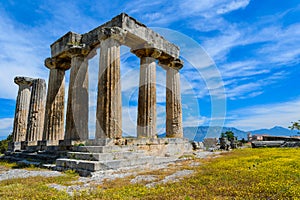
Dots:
pixel 22 173
pixel 172 178
pixel 141 178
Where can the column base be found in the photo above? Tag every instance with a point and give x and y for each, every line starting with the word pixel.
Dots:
pixel 162 146
pixel 14 146
pixel 101 142
pixel 32 146
pixel 23 145
pixel 32 143
pixel 48 145
pixel 68 144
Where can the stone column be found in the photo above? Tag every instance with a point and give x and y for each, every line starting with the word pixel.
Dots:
pixel 146 119
pixel 36 111
pixel 109 104
pixel 55 109
pixel 78 99
pixel 22 108
pixel 173 102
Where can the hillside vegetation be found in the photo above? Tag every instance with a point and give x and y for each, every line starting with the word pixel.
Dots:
pixel 268 173
pixel 4 144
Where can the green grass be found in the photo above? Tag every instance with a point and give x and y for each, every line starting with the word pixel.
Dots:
pixel 268 173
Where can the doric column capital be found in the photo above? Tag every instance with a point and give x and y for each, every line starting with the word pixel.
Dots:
pixel 75 52
pixel 58 63
pixel 176 64
pixel 77 49
pixel 21 80
pixel 147 52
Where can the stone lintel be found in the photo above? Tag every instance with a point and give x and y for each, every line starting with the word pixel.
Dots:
pixel 122 28
pixel 137 34
pixel 21 80
pixel 63 44
pixel 64 49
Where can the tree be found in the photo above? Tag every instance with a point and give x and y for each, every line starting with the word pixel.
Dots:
pixel 295 126
pixel 228 134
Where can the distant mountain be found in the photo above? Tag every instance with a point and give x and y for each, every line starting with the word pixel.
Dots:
pixel 276 131
pixel 199 133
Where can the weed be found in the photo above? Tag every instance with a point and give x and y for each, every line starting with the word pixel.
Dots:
pixel 71 172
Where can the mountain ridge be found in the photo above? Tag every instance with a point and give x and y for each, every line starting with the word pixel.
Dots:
pixel 200 132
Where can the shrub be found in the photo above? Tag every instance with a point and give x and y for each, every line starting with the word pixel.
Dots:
pixel 4 143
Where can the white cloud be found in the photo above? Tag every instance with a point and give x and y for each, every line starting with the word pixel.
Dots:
pixel 284 49
pixel 248 87
pixel 20 56
pixel 66 16
pixel 194 121
pixel 242 69
pixel 6 123
pixel 211 8
pixel 274 48
pixel 207 11
pixel 234 5
pixel 6 126
pixel 265 116
pixel 243 89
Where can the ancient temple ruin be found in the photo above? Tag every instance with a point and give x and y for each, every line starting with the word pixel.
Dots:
pixel 41 123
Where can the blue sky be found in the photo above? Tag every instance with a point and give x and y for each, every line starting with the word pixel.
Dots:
pixel 242 57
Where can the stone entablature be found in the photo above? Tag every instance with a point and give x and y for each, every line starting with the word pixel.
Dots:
pixel 122 28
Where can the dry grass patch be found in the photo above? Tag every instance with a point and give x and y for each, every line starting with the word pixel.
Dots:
pixel 7 165
pixel 36 187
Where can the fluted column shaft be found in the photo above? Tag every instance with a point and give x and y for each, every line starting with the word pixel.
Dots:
pixel 77 108
pixel 54 114
pixel 146 120
pixel 109 104
pixel 173 104
pixel 22 108
pixel 36 111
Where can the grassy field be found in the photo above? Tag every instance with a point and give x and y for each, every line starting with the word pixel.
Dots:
pixel 268 173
